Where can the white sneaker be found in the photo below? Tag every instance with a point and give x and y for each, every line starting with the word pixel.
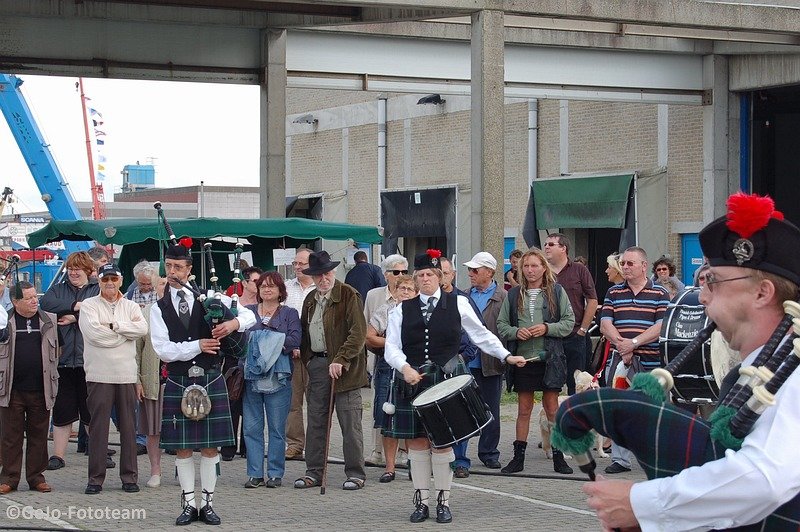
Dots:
pixel 154 482
pixel 375 459
pixel 402 458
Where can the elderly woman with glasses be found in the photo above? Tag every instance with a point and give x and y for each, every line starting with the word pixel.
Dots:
pixel 268 388
pixel 664 276
pixel 405 288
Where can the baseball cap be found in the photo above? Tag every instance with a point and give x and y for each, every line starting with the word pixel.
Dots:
pixel 108 269
pixel 482 258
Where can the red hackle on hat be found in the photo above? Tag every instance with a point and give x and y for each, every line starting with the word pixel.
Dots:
pixel 186 242
pixel 749 213
pixel 434 253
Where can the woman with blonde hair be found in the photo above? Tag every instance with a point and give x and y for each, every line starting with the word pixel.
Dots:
pixel 614 269
pixel 536 316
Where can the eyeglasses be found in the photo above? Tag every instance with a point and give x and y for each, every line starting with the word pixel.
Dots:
pixel 296 263
pixel 109 279
pixel 397 272
pixel 551 244
pixel 472 270
pixel 628 262
pixel 711 280
pixel 406 288
pixel 662 269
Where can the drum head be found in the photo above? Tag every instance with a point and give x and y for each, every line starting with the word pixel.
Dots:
pixel 441 390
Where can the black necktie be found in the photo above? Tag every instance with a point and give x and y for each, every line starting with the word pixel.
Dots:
pixel 183 309
pixel 429 309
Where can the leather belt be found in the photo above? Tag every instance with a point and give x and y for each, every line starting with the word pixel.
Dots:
pixel 321 354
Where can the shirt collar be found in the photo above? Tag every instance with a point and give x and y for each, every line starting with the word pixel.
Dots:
pixel 424 299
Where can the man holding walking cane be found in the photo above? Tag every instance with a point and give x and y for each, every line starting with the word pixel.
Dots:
pixel 332 348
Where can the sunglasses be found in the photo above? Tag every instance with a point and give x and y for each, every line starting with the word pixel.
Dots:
pixel 398 272
pixel 628 262
pixel 711 280
pixel 662 269
pixel 551 244
pixel 472 270
pixel 109 279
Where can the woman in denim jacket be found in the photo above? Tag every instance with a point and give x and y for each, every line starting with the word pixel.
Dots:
pixel 267 388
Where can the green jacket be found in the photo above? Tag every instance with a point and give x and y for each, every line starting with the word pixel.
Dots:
pixel 534 348
pixel 345 331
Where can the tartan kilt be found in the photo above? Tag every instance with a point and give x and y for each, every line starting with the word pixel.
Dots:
pixel 180 432
pixel 405 423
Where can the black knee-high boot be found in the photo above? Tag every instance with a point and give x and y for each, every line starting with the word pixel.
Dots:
pixel 517 463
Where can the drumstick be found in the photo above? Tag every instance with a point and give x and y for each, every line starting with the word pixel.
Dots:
pixel 327 441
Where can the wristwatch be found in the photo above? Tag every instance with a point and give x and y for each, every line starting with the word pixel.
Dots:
pixel 634 341
pixel 583 330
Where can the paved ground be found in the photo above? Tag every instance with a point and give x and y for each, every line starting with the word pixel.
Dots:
pixel 536 499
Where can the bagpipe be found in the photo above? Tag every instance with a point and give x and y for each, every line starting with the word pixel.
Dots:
pixel 13 262
pixel 666 439
pixel 216 311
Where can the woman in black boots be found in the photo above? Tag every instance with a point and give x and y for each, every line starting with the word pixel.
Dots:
pixel 536 316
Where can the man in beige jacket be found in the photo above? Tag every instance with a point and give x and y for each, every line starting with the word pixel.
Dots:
pixel 110 325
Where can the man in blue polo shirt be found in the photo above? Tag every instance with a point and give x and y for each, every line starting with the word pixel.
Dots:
pixel 631 321
pixel 488 371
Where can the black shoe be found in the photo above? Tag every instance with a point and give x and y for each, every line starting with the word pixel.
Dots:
pixel 615 468
pixel 461 472
pixel 274 483
pixel 443 514
pixel 493 463
pixel 111 452
pixel 130 487
pixel 209 516
pixel 141 449
pixel 254 482
pixel 81 448
pixel 188 515
pixel 55 462
pixel 93 489
pixel 110 464
pixel 171 452
pixel 421 512
pixel 559 464
pixel 227 457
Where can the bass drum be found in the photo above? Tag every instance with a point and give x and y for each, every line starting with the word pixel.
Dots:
pixel 685 317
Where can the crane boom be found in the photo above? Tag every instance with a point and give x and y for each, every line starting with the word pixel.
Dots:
pixel 36 152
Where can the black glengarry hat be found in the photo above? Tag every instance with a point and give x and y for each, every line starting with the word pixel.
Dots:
pixel 181 250
pixel 753 235
pixel 429 259
pixel 320 262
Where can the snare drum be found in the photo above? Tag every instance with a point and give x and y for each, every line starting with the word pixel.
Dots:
pixel 452 411
pixel 685 317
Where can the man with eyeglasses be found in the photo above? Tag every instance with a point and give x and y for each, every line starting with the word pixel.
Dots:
pixel 110 324
pixel 297 289
pixel 487 370
pixel 393 267
pixel 631 321
pixel 579 286
pixel 754 266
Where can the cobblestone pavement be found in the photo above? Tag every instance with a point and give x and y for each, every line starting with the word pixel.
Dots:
pixel 536 499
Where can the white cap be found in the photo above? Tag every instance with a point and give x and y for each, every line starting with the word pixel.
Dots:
pixel 482 258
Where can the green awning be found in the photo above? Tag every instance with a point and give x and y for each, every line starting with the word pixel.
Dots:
pixel 121 231
pixel 582 202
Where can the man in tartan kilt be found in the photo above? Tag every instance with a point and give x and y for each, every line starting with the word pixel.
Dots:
pixel 754 266
pixel 426 331
pixel 185 341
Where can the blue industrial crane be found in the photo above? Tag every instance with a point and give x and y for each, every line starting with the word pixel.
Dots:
pixel 36 152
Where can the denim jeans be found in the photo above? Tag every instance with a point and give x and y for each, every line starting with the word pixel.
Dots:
pixel 275 406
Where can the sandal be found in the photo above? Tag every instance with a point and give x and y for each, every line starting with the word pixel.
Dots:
pixel 352 484
pixel 387 477
pixel 306 482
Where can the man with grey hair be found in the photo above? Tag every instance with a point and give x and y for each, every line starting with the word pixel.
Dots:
pixel 146 277
pixel 393 267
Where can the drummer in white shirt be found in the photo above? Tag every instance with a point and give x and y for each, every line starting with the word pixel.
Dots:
pixel 422 341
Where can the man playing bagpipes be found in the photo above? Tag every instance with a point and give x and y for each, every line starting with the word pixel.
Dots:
pixel 196 412
pixel 740 469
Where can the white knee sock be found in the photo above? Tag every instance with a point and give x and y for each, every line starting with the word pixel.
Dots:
pixel 185 468
pixel 421 472
pixel 208 477
pixel 443 474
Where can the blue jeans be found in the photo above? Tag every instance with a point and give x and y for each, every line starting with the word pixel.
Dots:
pixel 491 389
pixel 381 379
pixel 276 408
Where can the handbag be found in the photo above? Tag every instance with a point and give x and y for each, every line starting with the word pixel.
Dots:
pixel 234 380
pixel 555 371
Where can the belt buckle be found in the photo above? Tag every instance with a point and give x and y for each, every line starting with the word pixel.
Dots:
pixel 196 371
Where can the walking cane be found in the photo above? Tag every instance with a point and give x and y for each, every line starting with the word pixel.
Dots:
pixel 327 440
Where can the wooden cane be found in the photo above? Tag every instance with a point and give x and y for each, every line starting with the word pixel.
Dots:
pixel 324 482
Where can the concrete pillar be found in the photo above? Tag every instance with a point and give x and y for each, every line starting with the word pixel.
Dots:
pixel 487 154
pixel 272 203
pixel 716 179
